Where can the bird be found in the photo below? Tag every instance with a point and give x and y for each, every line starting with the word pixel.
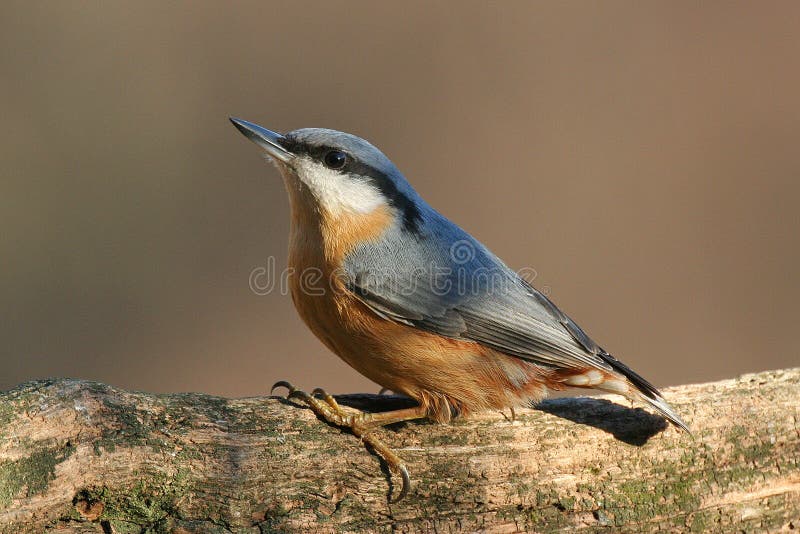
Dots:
pixel 416 304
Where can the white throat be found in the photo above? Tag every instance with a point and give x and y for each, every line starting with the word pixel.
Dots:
pixel 334 192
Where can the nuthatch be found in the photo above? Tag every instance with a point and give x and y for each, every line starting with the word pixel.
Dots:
pixel 413 302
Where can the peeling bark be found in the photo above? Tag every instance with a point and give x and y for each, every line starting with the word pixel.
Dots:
pixel 78 456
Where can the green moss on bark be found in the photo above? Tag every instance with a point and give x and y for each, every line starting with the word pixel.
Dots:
pixel 32 474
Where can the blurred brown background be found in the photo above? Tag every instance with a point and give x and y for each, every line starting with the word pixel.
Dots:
pixel 643 158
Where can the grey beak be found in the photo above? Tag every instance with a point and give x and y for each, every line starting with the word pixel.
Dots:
pixel 267 139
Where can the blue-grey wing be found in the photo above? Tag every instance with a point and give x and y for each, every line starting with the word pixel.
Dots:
pixel 446 282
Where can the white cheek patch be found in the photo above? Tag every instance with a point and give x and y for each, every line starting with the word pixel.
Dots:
pixel 339 193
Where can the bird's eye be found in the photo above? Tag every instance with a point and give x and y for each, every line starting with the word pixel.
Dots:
pixel 335 159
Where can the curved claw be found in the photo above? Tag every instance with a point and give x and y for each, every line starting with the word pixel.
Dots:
pixel 327 409
pixel 406 484
pixel 298 394
pixel 282 384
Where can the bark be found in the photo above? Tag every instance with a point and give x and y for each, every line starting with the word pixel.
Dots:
pixel 79 456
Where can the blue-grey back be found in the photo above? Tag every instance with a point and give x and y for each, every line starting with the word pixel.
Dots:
pixel 442 279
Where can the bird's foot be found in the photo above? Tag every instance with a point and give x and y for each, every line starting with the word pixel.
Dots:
pixel 359 424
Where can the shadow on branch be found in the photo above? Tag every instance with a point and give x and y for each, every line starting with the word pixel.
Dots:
pixel 633 426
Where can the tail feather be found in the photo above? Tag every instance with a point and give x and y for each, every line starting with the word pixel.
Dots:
pixel 645 390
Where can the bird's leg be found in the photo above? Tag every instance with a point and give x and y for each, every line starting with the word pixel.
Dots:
pixel 361 424
pixel 513 415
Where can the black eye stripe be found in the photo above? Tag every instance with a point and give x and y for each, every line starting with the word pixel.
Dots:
pixel 412 217
pixel 317 152
pixel 407 207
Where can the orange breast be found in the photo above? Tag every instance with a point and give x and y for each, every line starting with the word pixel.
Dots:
pixel 439 372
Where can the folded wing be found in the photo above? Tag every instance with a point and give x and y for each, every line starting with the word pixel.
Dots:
pixel 453 286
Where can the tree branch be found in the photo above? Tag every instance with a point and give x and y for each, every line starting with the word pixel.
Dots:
pixel 79 456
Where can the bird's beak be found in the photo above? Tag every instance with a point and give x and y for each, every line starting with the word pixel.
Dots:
pixel 270 141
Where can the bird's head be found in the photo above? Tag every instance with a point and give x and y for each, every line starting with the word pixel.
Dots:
pixel 337 171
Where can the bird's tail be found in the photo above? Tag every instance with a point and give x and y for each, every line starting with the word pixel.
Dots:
pixel 643 390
